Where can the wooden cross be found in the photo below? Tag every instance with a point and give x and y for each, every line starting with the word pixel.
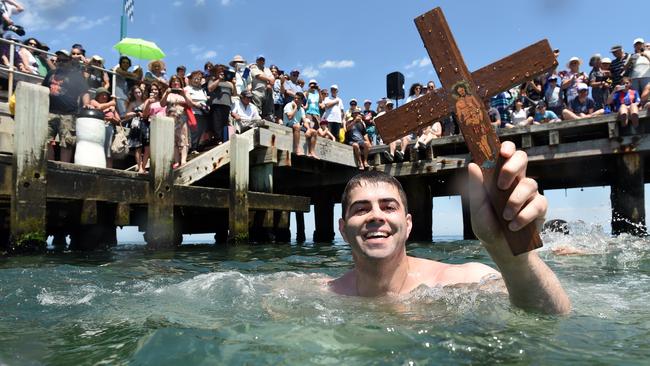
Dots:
pixel 466 94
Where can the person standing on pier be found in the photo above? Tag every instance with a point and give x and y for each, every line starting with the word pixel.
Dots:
pixel 376 223
pixel 68 93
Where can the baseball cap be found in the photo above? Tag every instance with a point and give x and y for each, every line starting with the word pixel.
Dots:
pixel 313 81
pixel 367 101
pixel 389 101
pixel 638 40
pixel 583 86
pixel 334 86
pixel 261 57
pixel 353 101
pixel 247 94
pixel 606 60
pixel 295 71
pixel 540 105
pixel 62 52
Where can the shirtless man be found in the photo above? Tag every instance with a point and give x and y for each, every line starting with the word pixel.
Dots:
pixel 376 224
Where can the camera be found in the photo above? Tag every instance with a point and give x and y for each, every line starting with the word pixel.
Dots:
pixel 177 91
pixel 229 75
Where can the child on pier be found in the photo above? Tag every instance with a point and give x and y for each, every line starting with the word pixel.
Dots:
pixel 324 131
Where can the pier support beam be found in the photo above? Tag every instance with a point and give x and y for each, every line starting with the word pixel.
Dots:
pixel 261 175
pixel 627 196
pixel 420 205
pixel 300 227
pixel 281 226
pixel 29 193
pixel 468 233
pixel 239 174
pixel 160 215
pixel 323 218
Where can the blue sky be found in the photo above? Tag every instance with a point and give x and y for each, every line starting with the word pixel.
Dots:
pixel 352 43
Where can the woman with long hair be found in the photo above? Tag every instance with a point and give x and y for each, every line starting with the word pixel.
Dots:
pixel 176 96
pixel 150 109
pixel 133 117
pixel 415 91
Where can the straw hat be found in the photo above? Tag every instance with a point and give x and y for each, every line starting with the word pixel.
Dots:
pixel 154 62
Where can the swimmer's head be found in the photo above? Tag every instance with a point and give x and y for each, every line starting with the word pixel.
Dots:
pixel 371 177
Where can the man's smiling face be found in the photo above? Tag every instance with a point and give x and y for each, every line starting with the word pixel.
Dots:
pixel 376 223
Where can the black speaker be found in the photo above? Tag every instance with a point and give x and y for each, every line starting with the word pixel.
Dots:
pixel 395 85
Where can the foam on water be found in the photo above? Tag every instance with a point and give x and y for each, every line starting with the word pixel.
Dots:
pixel 270 305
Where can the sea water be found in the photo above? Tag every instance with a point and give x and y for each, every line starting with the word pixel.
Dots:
pixel 267 304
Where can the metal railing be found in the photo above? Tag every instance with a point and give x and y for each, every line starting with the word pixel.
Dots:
pixel 11 70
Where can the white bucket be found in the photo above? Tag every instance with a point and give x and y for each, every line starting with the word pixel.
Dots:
pixel 91 133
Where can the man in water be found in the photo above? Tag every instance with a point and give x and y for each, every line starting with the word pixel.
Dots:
pixel 376 224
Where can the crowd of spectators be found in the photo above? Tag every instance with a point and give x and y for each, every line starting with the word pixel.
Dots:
pixel 211 104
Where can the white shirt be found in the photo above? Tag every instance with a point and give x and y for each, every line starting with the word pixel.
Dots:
pixel 335 112
pixel 198 96
pixel 247 113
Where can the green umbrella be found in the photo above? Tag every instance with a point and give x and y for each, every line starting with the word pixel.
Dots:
pixel 139 48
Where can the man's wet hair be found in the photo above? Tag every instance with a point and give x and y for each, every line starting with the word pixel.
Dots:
pixel 371 177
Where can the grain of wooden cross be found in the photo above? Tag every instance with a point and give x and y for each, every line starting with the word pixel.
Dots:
pixel 465 94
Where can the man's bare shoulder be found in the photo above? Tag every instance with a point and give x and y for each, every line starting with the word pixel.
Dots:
pixel 344 285
pixel 433 273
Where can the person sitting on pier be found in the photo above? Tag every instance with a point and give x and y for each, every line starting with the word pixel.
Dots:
pixel 427 135
pixel 519 115
pixel 357 137
pixel 544 116
pixel 582 106
pixel 324 132
pixel 625 101
pixel 369 119
pixel 294 117
pixel 244 112
pixel 376 223
pixel 68 93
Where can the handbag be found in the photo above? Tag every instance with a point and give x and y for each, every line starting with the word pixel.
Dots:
pixel 120 144
pixel 191 118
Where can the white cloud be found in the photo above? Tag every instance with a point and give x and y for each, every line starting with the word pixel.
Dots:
pixel 81 23
pixel 342 64
pixel 225 2
pixel 199 2
pixel 422 62
pixel 194 49
pixel 177 3
pixel 206 55
pixel 310 72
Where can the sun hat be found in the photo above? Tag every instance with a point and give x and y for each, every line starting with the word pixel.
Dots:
pixel 574 59
pixel 367 101
pixel 235 60
pixel 616 47
pixel 638 40
pixel 606 60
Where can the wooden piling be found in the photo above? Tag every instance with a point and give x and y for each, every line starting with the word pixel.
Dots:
pixel 420 205
pixel 300 227
pixel 323 218
pixel 29 193
pixel 628 196
pixel 261 174
pixel 160 214
pixel 239 174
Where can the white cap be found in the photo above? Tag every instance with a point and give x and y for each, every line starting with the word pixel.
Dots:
pixel 334 86
pixel 313 81
pixel 638 40
pixel 606 60
pixel 583 86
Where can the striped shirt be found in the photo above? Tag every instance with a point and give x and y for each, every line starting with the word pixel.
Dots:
pixel 617 67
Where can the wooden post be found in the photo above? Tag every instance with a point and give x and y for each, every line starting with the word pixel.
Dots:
pixel 627 196
pixel 238 214
pixel 323 218
pixel 29 193
pixel 468 233
pixel 262 181
pixel 160 214
pixel 420 205
pixel 281 226
pixel 300 227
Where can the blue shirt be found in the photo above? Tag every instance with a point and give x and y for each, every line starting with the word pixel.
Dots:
pixel 297 117
pixel 312 103
pixel 548 116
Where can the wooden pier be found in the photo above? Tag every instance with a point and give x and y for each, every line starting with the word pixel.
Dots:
pixel 245 189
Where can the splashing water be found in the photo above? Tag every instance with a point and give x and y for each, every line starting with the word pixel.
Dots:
pixel 270 305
